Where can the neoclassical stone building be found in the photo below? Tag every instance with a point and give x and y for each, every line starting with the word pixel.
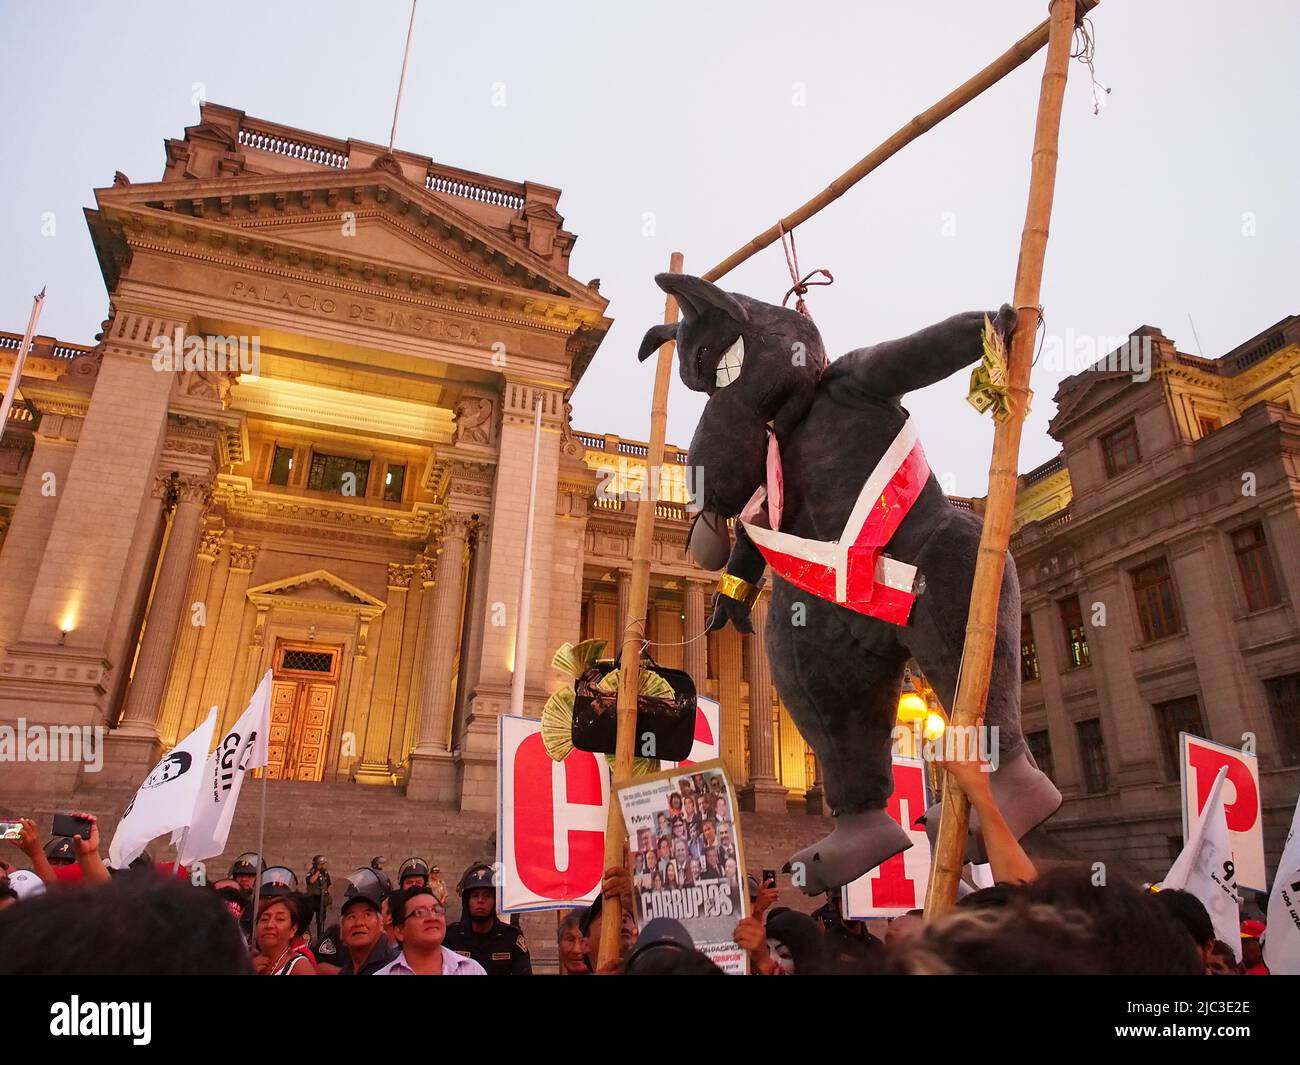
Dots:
pixel 347 507
pixel 1159 562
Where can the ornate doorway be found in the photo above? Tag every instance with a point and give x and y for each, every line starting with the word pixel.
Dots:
pixel 304 689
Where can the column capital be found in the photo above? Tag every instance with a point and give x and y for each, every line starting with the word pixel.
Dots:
pixel 243 556
pixel 399 575
pixel 211 544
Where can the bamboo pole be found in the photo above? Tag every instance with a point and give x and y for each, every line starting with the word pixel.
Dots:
pixel 981 623
pixel 629 679
pixel 1017 54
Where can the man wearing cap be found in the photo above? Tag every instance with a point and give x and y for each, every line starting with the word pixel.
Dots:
pixel 499 947
pixel 365 947
pixel 421 924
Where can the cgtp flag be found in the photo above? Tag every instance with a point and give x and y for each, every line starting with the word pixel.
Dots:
pixel 165 800
pixel 1282 940
pixel 1205 869
pixel 242 748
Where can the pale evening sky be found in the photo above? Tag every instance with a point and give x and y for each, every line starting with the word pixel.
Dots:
pixel 712 119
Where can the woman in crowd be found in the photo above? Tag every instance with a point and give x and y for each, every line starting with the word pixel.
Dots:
pixel 280 927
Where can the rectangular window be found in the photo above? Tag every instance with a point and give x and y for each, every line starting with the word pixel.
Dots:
pixel 338 473
pixel 1208 423
pixel 1255 567
pixel 1040 749
pixel 394 480
pixel 1173 717
pixel 1157 606
pixel 1092 753
pixel 1284 703
pixel 1076 637
pixel 1119 448
pixel 281 464
pixel 1028 651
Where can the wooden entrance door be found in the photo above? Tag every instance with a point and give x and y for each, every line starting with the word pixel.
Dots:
pixel 304 687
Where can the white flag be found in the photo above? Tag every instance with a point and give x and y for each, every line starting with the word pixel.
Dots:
pixel 242 748
pixel 1282 940
pixel 165 801
pixel 1205 869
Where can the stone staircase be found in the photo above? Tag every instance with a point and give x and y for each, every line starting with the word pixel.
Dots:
pixel 351 823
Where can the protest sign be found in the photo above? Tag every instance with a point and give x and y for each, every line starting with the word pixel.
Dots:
pixel 687 857
pixel 897 885
pixel 551 820
pixel 1200 762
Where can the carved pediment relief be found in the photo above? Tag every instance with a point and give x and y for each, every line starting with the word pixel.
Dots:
pixel 371 222
pixel 319 589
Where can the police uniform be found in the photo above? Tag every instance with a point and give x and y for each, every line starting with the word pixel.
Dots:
pixel 502 950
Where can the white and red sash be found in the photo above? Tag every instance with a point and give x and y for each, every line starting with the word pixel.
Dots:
pixel 851 571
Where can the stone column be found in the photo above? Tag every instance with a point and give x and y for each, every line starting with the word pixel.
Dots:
pixel 697 649
pixel 729 699
pixel 794 764
pixel 815 800
pixel 433 772
pixel 187 644
pixel 138 731
pixel 224 661
pixel 624 597
pixel 379 722
pixel 33 518
pixel 413 646
pixel 763 793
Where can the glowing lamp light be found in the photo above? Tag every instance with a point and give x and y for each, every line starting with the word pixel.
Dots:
pixel 934 726
pixel 911 707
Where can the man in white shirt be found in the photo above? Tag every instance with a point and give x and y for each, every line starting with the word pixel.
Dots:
pixel 421 924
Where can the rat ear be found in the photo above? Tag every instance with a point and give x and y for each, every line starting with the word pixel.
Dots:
pixel 655 337
pixel 694 296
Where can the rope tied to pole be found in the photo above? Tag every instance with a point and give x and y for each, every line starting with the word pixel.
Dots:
pixel 800 285
pixel 1083 47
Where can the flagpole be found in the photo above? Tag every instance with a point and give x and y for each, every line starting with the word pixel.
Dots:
pixel 526 578
pixel 402 77
pixel 16 374
pixel 261 842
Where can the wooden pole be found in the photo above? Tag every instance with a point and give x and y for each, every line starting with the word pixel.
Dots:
pixel 960 96
pixel 981 623
pixel 629 678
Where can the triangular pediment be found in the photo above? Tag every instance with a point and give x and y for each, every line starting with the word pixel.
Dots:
pixel 320 586
pixel 373 236
pixel 1076 397
pixel 371 217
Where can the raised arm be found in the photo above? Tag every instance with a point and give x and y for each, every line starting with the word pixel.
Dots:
pixel 748 564
pixel 895 367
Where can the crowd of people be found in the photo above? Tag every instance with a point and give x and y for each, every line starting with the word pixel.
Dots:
pixel 70 914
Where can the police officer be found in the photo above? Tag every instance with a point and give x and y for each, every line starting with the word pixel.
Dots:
pixel 60 851
pixel 500 948
pixel 414 872
pixel 245 871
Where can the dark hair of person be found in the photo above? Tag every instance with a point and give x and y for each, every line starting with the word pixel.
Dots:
pixel 572 922
pixel 398 899
pixel 1188 911
pixel 132 926
pixel 299 907
pixel 989 897
pixel 233 894
pixel 6 891
pixel 1134 933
